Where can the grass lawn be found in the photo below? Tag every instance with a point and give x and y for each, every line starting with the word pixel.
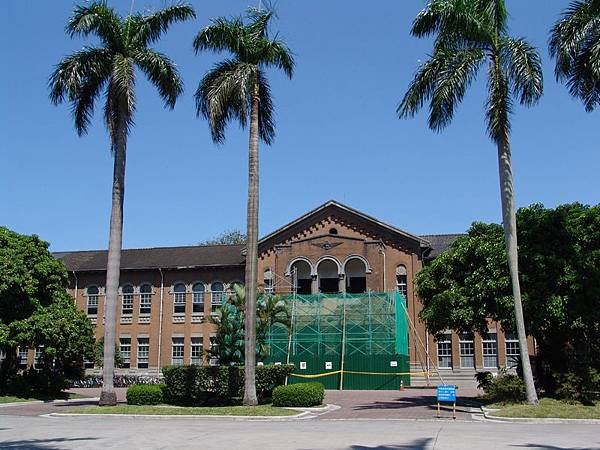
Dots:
pixel 549 408
pixel 261 410
pixel 13 399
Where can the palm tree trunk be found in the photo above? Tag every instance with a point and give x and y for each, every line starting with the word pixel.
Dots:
pixel 108 396
pixel 251 256
pixel 509 221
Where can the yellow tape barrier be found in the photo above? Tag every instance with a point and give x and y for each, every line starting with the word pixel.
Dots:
pixel 335 372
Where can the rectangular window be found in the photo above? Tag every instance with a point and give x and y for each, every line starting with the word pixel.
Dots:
pixel 145 304
pixel 196 350
pixel 444 350
pixel 216 300
pixel 467 350
pixel 127 306
pixel 213 346
pixel 177 351
pixel 125 351
pixel 88 364
pixel 143 352
pixel 490 350
pixel 22 357
pixel 513 351
pixel 198 302
pixel 179 303
pixel 92 305
pixel 38 359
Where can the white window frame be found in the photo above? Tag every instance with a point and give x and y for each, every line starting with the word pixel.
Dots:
pixel 145 300
pixel 512 350
pixel 22 356
pixel 198 299
pixel 91 300
pixel 143 352
pixel 489 349
pixel 179 299
pixel 127 301
pixel 444 350
pixel 196 350
pixel 466 341
pixel 268 278
pixel 125 354
pixel 213 345
pixel 402 280
pixel 177 350
pixel 216 297
pixel 38 357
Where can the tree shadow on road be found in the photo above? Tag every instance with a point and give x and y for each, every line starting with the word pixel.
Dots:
pixel 39 444
pixel 418 444
pixel 553 447
pixel 424 401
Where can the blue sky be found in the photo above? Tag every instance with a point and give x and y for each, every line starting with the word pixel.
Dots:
pixel 337 134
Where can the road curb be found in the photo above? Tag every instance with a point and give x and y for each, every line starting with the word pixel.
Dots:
pixel 549 420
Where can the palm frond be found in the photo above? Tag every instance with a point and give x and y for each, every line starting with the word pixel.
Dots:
pixel 494 13
pixel 259 28
pixel 499 104
pixel 120 99
pixel 457 71
pixel 224 94
pixel 99 19
pixel 524 68
pixel 162 72
pixel 222 34
pixel 421 88
pixel 149 28
pixel 266 121
pixel 275 53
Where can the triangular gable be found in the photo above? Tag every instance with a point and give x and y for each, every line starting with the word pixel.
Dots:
pixel 344 214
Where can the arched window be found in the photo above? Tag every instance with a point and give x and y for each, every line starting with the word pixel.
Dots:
pixel 356 276
pixel 127 300
pixel 333 231
pixel 327 272
pixel 402 281
pixel 92 293
pixel 198 298
pixel 301 277
pixel 145 299
pixel 216 295
pixel 268 281
pixel 179 298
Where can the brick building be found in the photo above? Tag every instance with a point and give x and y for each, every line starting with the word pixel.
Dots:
pixel 167 293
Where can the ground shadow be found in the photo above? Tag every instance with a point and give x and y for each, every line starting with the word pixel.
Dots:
pixel 418 444
pixel 553 447
pixel 427 401
pixel 38 444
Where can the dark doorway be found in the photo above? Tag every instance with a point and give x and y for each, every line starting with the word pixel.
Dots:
pixel 329 285
pixel 304 286
pixel 357 285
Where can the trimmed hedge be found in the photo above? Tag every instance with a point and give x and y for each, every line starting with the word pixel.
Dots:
pixel 299 394
pixel 145 394
pixel 218 385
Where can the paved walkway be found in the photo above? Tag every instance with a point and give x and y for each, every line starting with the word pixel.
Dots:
pixel 82 433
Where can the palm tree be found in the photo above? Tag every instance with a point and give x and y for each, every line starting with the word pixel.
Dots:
pixel 237 89
pixel 468 35
pixel 574 42
pixel 109 71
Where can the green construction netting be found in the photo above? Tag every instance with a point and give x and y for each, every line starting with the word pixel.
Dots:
pixel 366 335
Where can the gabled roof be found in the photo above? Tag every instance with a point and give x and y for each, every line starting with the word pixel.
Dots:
pixel 162 257
pixel 440 243
pixel 332 207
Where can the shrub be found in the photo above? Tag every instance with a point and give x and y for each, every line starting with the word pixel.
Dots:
pixel 202 385
pixel 505 388
pixel 300 395
pixel 581 387
pixel 484 379
pixel 145 394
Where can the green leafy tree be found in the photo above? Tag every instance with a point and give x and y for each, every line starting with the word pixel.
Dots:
pixel 108 71
pixel 99 354
pixel 35 309
pixel 229 346
pixel 237 89
pixel 232 237
pixel 468 35
pixel 560 269
pixel 574 42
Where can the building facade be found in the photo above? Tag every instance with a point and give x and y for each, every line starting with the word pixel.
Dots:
pixel 167 294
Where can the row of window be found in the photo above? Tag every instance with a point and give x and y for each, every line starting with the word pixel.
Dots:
pixel 467 351
pixel 217 293
pixel 22 354
pixel 177 351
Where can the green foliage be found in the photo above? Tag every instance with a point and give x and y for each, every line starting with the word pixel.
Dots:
pixel 145 394
pixel 271 310
pixel 299 395
pixel 583 387
pixel 99 354
pixel 35 310
pixel 469 35
pixel 504 388
pixel 560 270
pixel 231 237
pixel 484 379
pixel 225 93
pixel 218 385
pixel 574 42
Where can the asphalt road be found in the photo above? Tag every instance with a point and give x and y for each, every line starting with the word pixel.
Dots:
pixel 354 434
